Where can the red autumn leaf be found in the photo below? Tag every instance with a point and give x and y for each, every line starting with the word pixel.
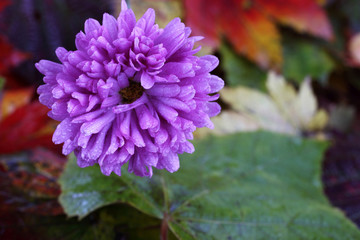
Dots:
pixel 27 127
pixel 250 24
pixel 28 179
pixel 9 56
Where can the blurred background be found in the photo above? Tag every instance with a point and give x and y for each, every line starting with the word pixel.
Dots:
pixel 313 44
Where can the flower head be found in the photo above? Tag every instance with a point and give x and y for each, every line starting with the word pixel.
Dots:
pixel 131 92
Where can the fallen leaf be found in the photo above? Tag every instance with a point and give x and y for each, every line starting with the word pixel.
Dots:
pixel 228 122
pixel 250 25
pixel 259 107
pixel 284 110
pixel 27 127
pixel 13 99
pixel 319 121
pixel 297 108
pixel 28 182
pixel 247 186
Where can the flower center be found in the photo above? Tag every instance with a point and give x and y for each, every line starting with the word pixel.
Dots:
pixel 131 93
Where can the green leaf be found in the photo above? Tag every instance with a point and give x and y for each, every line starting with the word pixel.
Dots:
pixel 85 190
pixel 240 71
pixel 2 82
pixel 303 58
pixel 118 221
pixel 244 186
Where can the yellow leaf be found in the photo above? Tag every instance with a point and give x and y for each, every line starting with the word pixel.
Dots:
pixel 228 122
pixel 284 110
pixel 299 109
pixel 259 107
pixel 319 121
pixel 305 104
pixel 283 95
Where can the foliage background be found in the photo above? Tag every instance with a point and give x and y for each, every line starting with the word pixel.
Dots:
pixel 283 161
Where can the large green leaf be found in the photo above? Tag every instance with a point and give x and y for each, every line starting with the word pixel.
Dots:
pixel 245 186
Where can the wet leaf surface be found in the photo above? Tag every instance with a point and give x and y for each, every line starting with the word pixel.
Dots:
pixel 247 185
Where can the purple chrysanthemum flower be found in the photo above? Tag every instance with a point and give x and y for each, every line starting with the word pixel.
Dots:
pixel 131 92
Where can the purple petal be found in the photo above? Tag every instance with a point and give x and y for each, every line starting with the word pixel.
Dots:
pixel 147 81
pixel 164 90
pixel 170 162
pixel 181 70
pixel 146 120
pixel 64 131
pixel 91 25
pixel 110 24
pixel 173 36
pixel 96 125
pixel 216 83
pixel 123 5
pixel 48 68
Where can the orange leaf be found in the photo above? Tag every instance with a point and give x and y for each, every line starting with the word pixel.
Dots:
pixel 13 99
pixel 249 24
pixel 260 40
